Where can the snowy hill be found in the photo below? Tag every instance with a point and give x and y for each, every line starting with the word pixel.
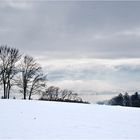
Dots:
pixel 51 120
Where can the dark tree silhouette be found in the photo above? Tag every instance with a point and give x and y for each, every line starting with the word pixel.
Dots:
pixel 51 93
pixel 126 100
pixel 118 100
pixel 8 59
pixel 29 80
pixel 135 101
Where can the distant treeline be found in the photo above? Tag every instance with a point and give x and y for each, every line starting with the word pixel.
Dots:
pixel 124 100
pixel 23 73
pixel 56 94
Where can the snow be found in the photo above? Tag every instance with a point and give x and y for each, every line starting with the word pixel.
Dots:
pixel 21 119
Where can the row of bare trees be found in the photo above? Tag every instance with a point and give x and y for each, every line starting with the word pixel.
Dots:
pixel 20 72
pixel 26 75
pixel 56 94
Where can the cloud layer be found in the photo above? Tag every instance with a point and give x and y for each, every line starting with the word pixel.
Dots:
pixel 94 75
pixel 82 45
pixel 97 29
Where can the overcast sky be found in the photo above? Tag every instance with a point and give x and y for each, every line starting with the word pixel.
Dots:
pixel 85 46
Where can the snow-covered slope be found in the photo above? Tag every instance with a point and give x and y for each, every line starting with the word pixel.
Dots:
pixel 51 120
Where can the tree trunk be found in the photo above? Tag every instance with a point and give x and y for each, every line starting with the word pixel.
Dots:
pixel 30 96
pixel 8 89
pixel 24 89
pixel 24 93
pixel 24 96
pixel 4 91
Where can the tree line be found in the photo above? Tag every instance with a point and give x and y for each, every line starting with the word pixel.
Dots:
pixel 26 75
pixel 124 100
pixel 63 95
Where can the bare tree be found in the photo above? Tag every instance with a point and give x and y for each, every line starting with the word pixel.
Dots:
pixel 8 59
pixel 31 78
pixel 64 94
pixel 51 93
pixel 38 82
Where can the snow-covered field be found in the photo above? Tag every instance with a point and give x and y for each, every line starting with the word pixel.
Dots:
pixel 51 120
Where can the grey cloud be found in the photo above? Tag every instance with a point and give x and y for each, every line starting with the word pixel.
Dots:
pixel 76 30
pixel 70 27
